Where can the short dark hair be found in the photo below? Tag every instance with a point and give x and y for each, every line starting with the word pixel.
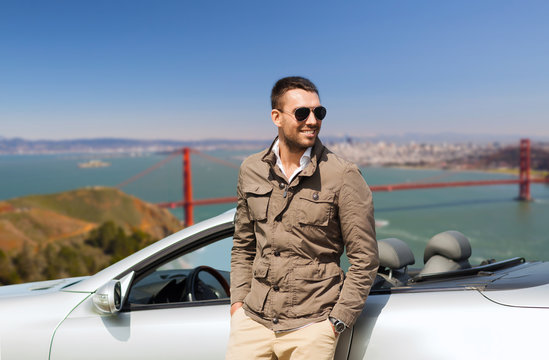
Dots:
pixel 290 83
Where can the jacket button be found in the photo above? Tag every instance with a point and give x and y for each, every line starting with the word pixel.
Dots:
pixel 276 288
pixel 275 320
pixel 281 185
pixel 315 196
pixel 277 253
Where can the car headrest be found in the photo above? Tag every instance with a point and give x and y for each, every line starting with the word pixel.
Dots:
pixel 394 253
pixel 450 244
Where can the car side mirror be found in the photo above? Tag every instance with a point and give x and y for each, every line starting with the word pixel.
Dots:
pixel 108 298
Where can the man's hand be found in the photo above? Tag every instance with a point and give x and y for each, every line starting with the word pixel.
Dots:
pixel 235 306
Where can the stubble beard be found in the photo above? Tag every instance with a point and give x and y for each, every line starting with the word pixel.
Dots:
pixel 295 147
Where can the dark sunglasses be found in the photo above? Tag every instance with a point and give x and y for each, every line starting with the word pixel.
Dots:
pixel 303 113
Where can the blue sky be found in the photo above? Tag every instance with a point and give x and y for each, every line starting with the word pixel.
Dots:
pixel 204 69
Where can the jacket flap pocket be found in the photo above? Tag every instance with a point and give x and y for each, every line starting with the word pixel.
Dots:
pixel 257 296
pixel 317 272
pixel 316 196
pixel 316 207
pixel 257 197
pixel 260 271
pixel 257 190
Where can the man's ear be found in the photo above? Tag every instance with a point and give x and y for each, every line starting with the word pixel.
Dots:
pixel 276 116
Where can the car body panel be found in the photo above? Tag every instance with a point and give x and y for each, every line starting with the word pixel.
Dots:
pixel 37 288
pixel 527 286
pixel 192 332
pixel 447 325
pixel 29 322
pixel 531 297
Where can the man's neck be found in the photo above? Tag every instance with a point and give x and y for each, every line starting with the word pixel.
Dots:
pixel 290 156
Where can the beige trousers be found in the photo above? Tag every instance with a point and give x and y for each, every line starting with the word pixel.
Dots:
pixel 251 340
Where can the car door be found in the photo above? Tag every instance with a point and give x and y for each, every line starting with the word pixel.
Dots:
pixel 160 319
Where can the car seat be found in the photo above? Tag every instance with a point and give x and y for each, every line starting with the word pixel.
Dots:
pixel 446 251
pixel 394 257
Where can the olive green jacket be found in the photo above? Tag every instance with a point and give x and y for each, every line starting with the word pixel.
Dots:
pixel 289 239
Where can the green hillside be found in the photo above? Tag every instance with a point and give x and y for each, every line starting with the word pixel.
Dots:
pixel 73 214
pixel 75 233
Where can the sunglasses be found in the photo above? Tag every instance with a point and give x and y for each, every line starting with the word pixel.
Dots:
pixel 303 113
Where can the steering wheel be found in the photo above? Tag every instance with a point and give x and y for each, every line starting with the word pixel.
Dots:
pixel 193 283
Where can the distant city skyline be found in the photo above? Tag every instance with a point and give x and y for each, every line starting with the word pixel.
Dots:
pixel 203 70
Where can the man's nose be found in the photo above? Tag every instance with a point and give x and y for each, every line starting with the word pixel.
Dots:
pixel 311 119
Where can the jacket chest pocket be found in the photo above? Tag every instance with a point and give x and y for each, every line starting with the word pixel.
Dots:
pixel 257 198
pixel 315 207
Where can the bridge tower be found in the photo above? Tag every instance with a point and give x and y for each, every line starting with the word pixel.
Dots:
pixel 187 188
pixel 524 176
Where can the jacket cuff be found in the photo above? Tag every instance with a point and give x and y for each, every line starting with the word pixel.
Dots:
pixel 342 315
pixel 238 296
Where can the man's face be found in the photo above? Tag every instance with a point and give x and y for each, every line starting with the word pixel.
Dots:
pixel 297 135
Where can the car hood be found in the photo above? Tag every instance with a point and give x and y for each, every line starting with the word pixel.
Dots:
pixel 36 288
pixel 526 285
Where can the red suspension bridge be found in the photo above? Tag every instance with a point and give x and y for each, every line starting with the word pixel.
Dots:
pixel 188 203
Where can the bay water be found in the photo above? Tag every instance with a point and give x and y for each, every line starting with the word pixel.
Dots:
pixel 497 225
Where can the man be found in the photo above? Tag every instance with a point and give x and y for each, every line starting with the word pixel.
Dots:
pixel 299 205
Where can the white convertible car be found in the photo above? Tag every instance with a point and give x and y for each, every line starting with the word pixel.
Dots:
pixel 170 301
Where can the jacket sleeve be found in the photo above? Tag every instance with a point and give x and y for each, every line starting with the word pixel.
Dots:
pixel 356 216
pixel 243 251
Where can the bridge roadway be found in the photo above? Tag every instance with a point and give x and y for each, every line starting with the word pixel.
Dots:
pixel 374 188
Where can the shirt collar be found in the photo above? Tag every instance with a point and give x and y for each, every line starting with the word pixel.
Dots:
pixel 305 158
pixel 303 161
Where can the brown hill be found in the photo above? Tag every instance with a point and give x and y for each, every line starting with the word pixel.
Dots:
pixel 41 219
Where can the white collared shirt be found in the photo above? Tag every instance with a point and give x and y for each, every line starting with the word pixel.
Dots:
pixel 303 162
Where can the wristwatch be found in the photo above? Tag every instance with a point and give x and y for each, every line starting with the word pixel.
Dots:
pixel 339 326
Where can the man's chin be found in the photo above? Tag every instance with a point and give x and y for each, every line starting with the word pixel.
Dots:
pixel 308 142
pixel 300 143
